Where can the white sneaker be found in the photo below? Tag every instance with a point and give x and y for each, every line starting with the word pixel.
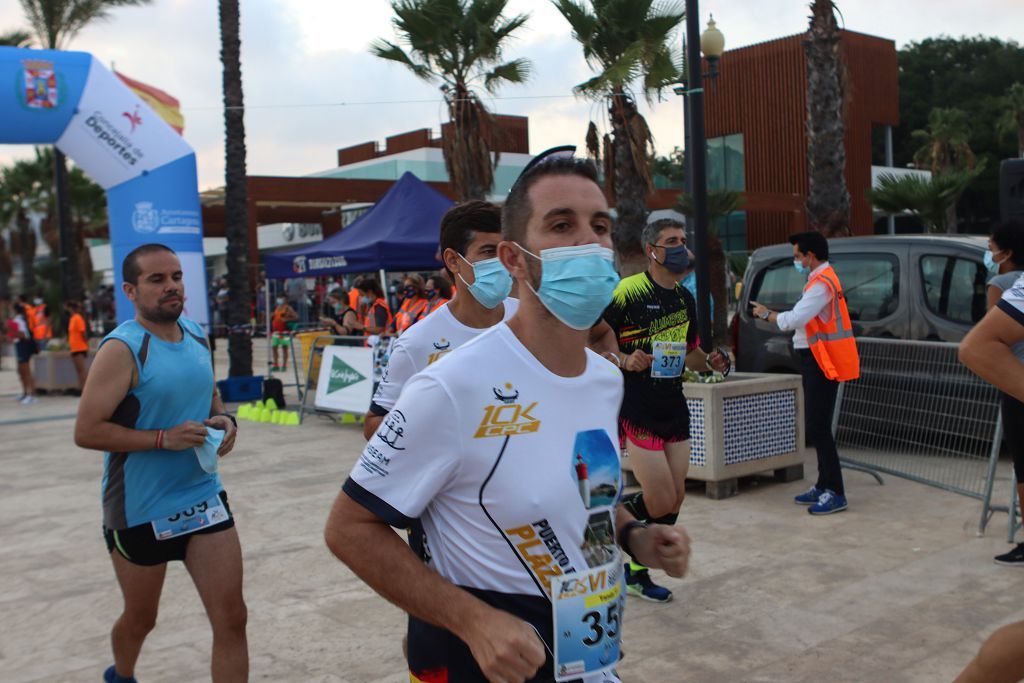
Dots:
pixel 28 400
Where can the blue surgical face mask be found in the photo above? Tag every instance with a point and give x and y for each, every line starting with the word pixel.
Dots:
pixel 491 282
pixel 991 263
pixel 576 283
pixel 800 267
pixel 677 258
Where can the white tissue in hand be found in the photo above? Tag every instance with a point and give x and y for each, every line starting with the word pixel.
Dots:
pixel 207 453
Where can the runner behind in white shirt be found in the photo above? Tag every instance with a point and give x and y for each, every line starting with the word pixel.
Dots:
pixel 483 447
pixel 470 233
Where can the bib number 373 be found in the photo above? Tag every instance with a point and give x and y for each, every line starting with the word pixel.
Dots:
pixel 207 513
pixel 588 620
pixel 668 359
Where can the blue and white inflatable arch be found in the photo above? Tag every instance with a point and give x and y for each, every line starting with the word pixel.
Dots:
pixel 70 100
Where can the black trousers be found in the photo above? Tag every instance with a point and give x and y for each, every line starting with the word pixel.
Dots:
pixel 819 403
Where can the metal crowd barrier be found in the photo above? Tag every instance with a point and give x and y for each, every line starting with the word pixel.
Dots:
pixel 916 412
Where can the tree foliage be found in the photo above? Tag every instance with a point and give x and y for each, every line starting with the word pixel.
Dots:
pixel 1011 123
pixel 56 22
pixel 973 74
pixel 628 43
pixel 459 45
pixel 929 199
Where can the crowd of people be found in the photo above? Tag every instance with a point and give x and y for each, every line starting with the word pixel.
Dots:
pixel 494 439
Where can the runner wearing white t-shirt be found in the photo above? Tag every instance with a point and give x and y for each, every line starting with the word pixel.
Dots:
pixel 470 234
pixel 485 448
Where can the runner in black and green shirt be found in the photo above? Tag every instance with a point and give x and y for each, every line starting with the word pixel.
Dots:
pixel 650 332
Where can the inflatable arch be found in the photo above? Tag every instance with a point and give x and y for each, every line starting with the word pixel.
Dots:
pixel 70 100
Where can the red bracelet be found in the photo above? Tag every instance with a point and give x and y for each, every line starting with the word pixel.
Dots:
pixel 159 439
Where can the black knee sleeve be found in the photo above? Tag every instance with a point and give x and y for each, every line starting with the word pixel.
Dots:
pixel 667 520
pixel 634 502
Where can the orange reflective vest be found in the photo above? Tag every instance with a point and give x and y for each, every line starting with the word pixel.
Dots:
pixel 832 342
pixel 37 322
pixel 410 312
pixel 369 319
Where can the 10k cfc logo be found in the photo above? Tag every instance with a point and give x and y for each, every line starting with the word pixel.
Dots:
pixel 509 418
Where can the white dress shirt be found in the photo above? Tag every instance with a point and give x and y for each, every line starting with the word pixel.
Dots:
pixel 816 301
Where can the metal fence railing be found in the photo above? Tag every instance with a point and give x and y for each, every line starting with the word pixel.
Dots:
pixel 916 412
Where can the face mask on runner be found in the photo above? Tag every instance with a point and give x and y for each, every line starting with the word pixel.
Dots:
pixel 991 263
pixel 491 282
pixel 576 283
pixel 676 258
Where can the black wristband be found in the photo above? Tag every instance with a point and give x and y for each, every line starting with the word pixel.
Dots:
pixel 625 533
pixel 228 416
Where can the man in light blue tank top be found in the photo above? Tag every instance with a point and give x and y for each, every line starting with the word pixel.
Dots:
pixel 151 404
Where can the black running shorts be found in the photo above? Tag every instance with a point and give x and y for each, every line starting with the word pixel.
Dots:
pixel 139 545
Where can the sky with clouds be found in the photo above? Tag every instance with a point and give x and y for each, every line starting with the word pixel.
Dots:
pixel 311 86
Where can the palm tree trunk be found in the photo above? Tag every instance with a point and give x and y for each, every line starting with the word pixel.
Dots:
pixel 70 260
pixel 235 196
pixel 628 188
pixel 1020 140
pixel 27 251
pixel 5 272
pixel 828 200
pixel 467 148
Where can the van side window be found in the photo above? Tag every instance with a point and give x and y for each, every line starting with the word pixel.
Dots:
pixel 954 287
pixel 871 284
pixel 778 286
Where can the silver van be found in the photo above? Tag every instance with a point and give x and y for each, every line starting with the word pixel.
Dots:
pixel 922 287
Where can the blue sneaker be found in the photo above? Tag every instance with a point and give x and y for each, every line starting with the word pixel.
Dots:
pixel 808 497
pixel 828 503
pixel 110 676
pixel 638 583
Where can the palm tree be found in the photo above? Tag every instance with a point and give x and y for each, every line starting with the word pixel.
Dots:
pixel 55 23
pixel 828 200
pixel 628 43
pixel 945 147
pixel 928 199
pixel 24 188
pixel 459 44
pixel 1012 120
pixel 721 204
pixel 236 220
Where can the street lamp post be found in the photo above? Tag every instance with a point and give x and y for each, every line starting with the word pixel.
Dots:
pixel 714 43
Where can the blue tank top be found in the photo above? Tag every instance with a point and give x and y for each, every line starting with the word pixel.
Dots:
pixel 175 385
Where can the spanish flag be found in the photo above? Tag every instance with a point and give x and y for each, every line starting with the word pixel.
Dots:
pixel 163 104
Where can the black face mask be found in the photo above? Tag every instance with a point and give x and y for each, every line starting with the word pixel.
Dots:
pixel 430 293
pixel 676 258
pixel 410 292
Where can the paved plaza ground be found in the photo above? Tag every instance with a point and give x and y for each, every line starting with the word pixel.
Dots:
pixel 898 589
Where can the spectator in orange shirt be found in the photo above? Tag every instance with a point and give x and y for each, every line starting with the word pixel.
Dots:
pixel 77 340
pixel 438 292
pixel 414 304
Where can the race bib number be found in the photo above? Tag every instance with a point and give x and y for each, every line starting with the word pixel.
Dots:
pixel 208 513
pixel 668 359
pixel 588 620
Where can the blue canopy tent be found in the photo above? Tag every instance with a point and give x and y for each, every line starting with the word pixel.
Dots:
pixel 400 233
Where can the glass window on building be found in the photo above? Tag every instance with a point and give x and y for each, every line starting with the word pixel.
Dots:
pixel 725 172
